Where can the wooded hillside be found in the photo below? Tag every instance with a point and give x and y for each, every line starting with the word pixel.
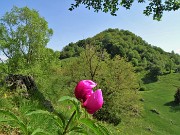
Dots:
pixel 130 46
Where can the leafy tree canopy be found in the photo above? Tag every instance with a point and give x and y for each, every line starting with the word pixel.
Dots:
pixel 23 35
pixel 154 7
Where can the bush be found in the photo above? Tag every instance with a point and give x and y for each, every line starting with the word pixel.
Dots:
pixel 177 96
pixel 110 117
pixel 177 70
pixel 143 88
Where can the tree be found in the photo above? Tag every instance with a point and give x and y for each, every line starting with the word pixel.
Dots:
pixel 119 85
pixel 153 74
pixel 23 35
pixel 115 77
pixel 144 62
pixel 170 65
pixel 134 62
pixel 88 65
pixel 154 7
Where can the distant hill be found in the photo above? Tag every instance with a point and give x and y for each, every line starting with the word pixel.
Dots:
pixel 130 46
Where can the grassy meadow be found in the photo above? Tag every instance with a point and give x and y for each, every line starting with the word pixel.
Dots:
pixel 159 97
pixel 159 115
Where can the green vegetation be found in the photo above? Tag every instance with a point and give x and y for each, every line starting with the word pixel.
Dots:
pixel 24 35
pixel 139 82
pixel 160 115
pixel 114 76
pixel 142 55
pixel 177 96
pixel 154 7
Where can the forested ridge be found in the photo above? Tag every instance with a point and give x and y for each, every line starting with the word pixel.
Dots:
pixel 127 45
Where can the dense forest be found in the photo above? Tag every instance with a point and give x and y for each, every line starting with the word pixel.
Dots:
pixel 38 83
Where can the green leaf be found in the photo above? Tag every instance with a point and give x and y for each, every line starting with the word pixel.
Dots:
pixel 10 114
pixel 60 120
pixel 78 129
pixel 58 117
pixel 103 129
pixel 75 128
pixel 74 101
pixel 9 121
pixel 40 131
pixel 82 132
pixel 14 118
pixel 67 98
pixel 90 124
pixel 38 112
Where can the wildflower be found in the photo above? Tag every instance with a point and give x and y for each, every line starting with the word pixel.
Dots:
pixel 92 101
pixel 84 89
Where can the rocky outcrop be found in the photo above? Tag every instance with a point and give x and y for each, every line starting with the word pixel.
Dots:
pixel 18 81
pixel 14 82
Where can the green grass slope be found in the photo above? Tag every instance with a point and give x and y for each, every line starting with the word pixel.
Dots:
pixel 161 116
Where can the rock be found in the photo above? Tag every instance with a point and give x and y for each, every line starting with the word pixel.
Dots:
pixel 149 128
pixel 154 111
pixel 142 99
pixel 19 81
pixel 27 83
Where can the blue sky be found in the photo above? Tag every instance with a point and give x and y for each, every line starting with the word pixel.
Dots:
pixel 71 26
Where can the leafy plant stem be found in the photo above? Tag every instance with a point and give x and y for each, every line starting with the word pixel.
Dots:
pixel 66 128
pixel 85 113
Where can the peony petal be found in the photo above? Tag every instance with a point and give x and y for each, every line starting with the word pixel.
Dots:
pixel 85 84
pixel 94 102
pixel 84 89
pixel 89 84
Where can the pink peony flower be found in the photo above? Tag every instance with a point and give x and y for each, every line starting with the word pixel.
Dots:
pixel 84 89
pixel 94 102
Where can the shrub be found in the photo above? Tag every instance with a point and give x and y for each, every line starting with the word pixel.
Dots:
pixel 177 70
pixel 143 88
pixel 109 117
pixel 177 96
